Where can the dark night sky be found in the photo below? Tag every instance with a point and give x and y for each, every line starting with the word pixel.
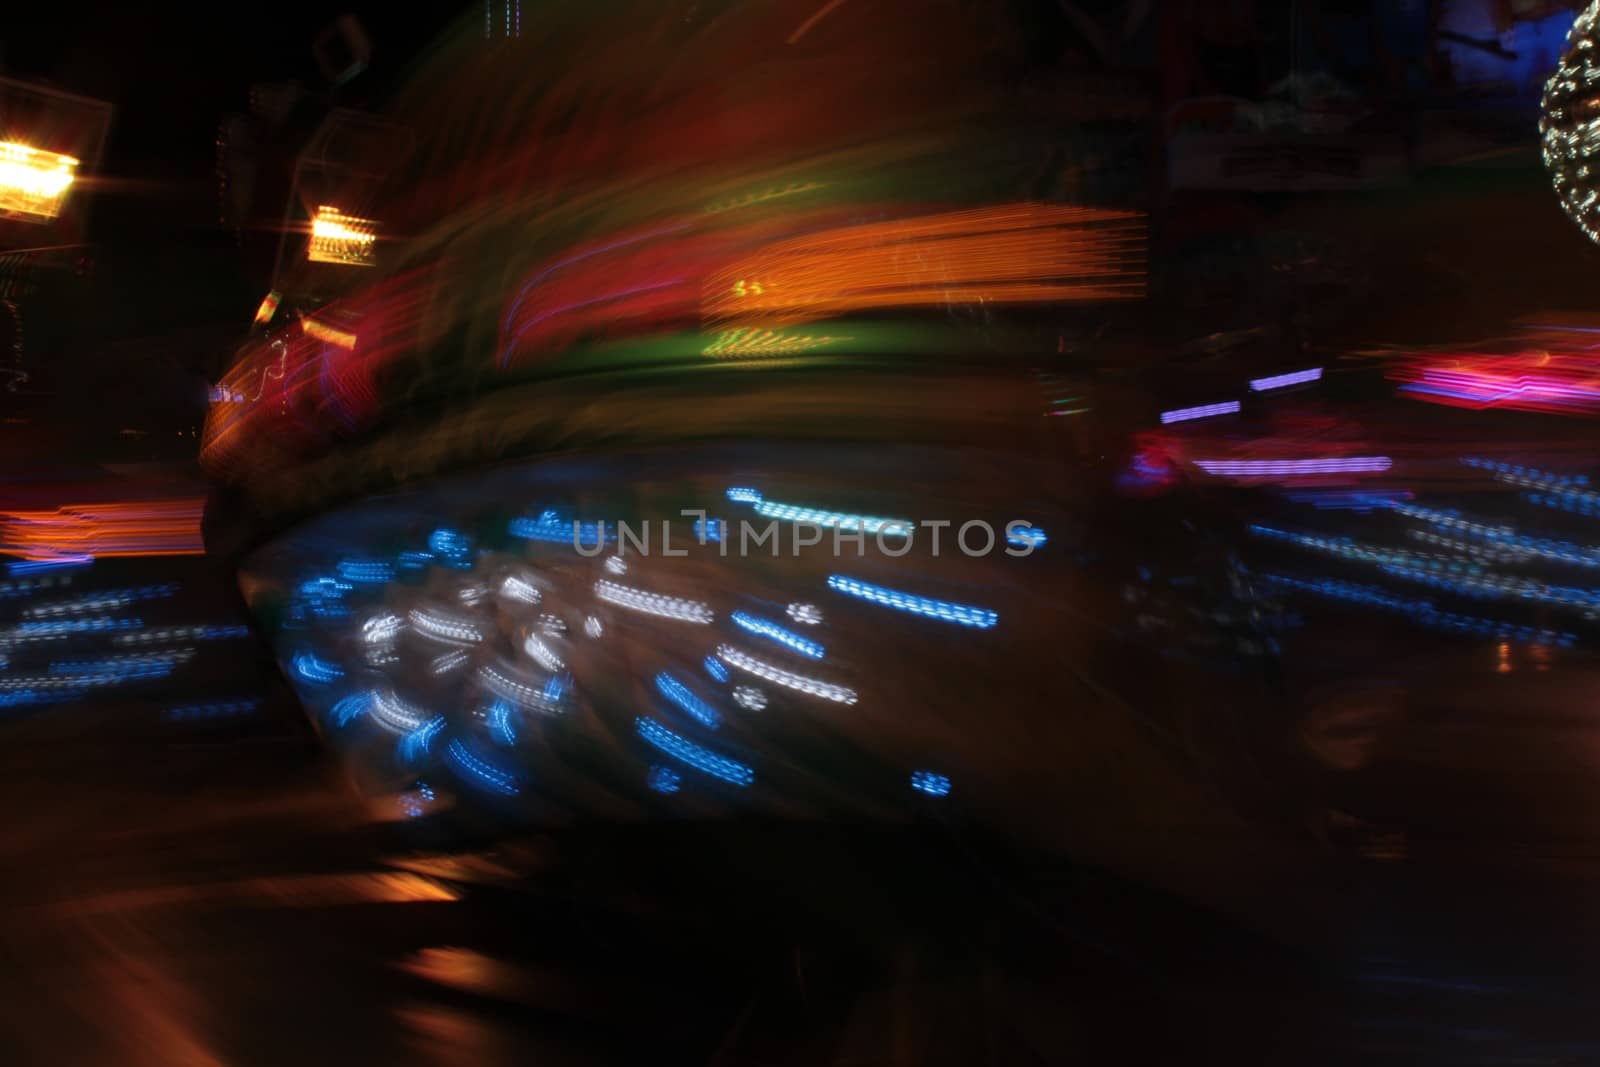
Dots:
pixel 173 70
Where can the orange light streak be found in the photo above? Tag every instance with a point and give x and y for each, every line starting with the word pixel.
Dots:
pixel 1019 253
pixel 133 528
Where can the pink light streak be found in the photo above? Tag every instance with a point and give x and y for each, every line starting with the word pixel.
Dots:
pixel 1278 468
pixel 1554 382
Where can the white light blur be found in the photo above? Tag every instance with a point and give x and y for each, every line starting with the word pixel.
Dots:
pixel 809 614
pixel 665 607
pixel 514 588
pixel 394 714
pixel 748 696
pixel 542 654
pixel 382 629
pixel 499 681
pixel 743 661
pixel 445 628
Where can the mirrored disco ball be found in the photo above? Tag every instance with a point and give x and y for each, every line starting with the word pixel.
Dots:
pixel 1570 126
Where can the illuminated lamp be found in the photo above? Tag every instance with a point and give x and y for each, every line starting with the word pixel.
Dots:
pixel 340 238
pixel 33 182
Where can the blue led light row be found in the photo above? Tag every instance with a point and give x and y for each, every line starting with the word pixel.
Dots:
pixel 935 785
pixel 697 756
pixel 1570 502
pixel 1499 586
pixel 833 519
pixel 182 633
pixel 350 708
pixel 40 566
pixel 30 586
pixel 1560 551
pixel 1422 611
pixel 1365 500
pixel 23 698
pixel 961 614
pixel 419 742
pixel 315 670
pixel 450 543
pixel 1346 548
pixel 551 530
pixel 75 626
pixel 325 588
pixel 1552 479
pixel 133 665
pixel 785 637
pixel 365 571
pixel 1025 536
pixel 485 773
pixel 663 779
pixel 691 705
pixel 500 722
pixel 217 709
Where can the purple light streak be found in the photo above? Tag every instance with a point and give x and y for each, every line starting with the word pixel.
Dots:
pixel 1227 407
pixel 1283 381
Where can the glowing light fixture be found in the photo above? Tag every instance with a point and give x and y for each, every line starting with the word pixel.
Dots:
pixel 33 182
pixel 340 238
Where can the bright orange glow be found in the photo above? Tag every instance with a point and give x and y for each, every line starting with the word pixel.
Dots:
pixel 132 528
pixel 268 308
pixel 323 332
pixel 33 182
pixel 1018 253
pixel 340 238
